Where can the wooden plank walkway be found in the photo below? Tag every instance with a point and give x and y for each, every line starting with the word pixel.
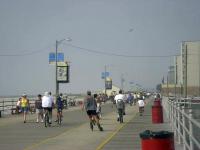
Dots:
pixel 128 137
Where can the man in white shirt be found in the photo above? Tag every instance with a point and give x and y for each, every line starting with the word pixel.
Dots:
pixel 120 103
pixel 47 104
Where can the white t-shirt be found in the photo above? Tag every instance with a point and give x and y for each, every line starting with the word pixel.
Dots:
pixel 120 97
pixel 141 103
pixel 47 101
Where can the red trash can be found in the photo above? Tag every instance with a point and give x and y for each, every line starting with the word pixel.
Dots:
pixel 161 140
pixel 157 114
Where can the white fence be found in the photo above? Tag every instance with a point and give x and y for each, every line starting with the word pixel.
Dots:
pixel 185 127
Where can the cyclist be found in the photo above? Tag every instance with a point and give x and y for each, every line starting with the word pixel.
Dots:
pixel 91 108
pixel 120 104
pixel 141 104
pixel 59 104
pixel 47 104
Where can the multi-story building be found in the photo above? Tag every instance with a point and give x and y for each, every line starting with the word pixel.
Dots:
pixel 171 75
pixel 186 71
pixel 190 53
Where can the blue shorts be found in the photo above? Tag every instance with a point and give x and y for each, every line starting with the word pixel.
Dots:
pixel 24 109
pixel 59 109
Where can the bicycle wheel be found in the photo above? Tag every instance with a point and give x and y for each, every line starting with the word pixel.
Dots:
pixel 121 115
pixel 121 118
pixel 45 120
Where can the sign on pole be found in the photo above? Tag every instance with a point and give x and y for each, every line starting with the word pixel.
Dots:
pixel 52 58
pixel 104 75
pixel 63 74
pixel 108 83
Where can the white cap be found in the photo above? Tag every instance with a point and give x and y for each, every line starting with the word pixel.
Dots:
pixel 24 94
pixel 46 93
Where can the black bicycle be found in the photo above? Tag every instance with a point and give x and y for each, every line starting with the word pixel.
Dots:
pixel 121 113
pixel 121 109
pixel 46 118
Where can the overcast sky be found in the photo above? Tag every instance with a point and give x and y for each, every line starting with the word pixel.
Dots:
pixel 30 28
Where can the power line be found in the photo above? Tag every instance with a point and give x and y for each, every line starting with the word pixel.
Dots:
pixel 26 53
pixel 115 54
pixel 91 51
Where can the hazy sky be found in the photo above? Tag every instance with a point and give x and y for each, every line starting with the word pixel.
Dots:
pixel 30 28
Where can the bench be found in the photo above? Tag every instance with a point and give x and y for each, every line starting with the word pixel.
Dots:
pixel 32 109
pixel 15 111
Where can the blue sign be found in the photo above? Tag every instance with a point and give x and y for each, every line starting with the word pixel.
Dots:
pixel 104 75
pixel 60 57
pixel 52 57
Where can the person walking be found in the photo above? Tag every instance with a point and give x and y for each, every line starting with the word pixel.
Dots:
pixel 59 105
pixel 120 104
pixel 39 110
pixel 24 106
pixel 90 106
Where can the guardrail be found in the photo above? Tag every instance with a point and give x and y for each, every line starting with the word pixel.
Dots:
pixel 8 106
pixel 180 113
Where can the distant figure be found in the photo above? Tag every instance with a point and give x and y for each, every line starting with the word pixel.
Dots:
pixel 130 99
pixel 24 106
pixel 90 106
pixel 141 104
pixel 39 110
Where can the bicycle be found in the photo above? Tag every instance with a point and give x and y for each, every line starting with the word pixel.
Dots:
pixel 120 113
pixel 121 109
pixel 46 118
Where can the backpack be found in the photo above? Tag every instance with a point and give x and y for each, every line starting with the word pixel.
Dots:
pixel 120 104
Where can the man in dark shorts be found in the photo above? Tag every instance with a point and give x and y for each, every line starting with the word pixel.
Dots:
pixel 90 106
pixel 59 104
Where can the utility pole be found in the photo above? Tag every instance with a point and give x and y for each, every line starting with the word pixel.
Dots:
pixel 57 84
pixel 175 80
pixel 122 82
pixel 105 79
pixel 57 43
pixel 184 51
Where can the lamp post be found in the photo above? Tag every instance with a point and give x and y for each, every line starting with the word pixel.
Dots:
pixel 57 43
pixel 105 80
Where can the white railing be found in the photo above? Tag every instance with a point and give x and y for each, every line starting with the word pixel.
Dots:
pixel 180 114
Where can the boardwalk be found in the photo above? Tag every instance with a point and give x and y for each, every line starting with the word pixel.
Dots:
pixel 75 134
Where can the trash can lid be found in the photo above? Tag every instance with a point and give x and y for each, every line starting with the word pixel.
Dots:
pixel 147 134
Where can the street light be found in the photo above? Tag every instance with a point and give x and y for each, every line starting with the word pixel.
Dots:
pixel 57 43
